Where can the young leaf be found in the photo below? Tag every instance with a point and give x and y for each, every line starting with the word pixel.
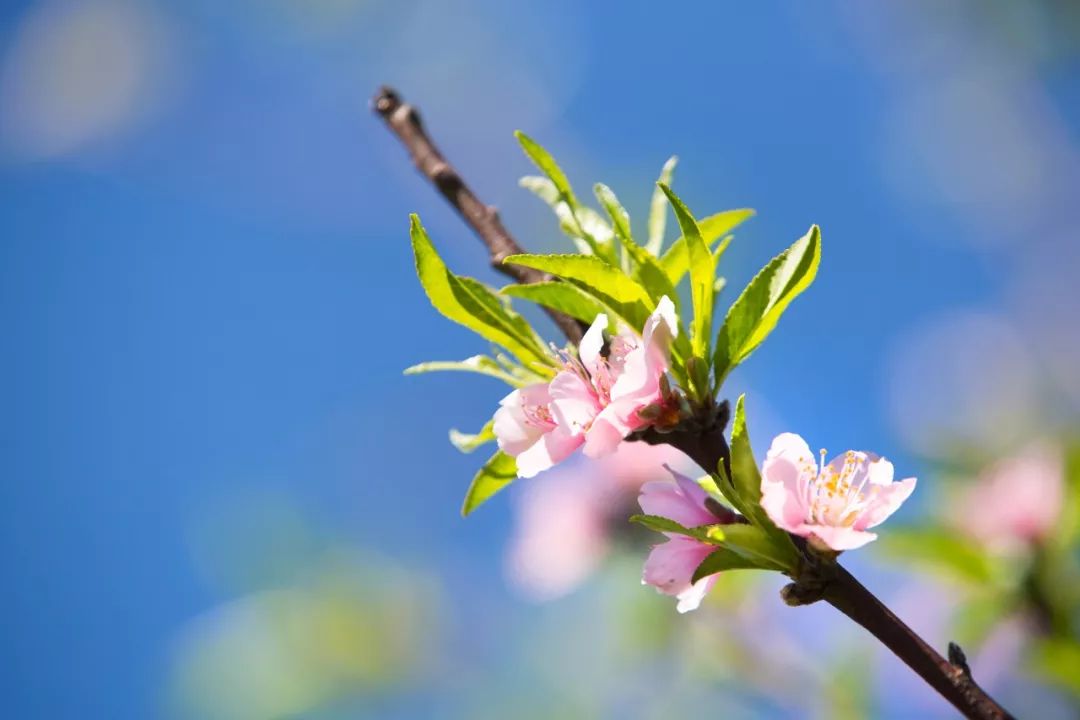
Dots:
pixel 546 191
pixel 565 297
pixel 585 222
pixel 619 217
pixel 702 275
pixel 676 262
pixel 499 471
pixel 755 313
pixel 466 443
pixel 580 224
pixel 647 270
pixel 746 480
pixel 592 272
pixel 721 559
pixel 547 165
pixel 658 523
pixel 481 364
pixel 466 305
pixel 658 209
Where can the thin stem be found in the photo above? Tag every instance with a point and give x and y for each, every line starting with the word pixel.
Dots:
pixel 404 121
pixel 706 445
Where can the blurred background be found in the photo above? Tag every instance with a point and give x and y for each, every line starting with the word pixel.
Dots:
pixel 221 499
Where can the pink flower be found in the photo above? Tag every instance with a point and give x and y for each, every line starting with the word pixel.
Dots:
pixel 629 379
pixel 604 394
pixel 595 400
pixel 833 504
pixel 525 429
pixel 1016 500
pixel 670 566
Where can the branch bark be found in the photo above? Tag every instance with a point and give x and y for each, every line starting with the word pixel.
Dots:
pixel 707 445
pixel 404 121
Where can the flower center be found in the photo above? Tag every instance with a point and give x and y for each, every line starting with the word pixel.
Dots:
pixel 538 415
pixel 834 496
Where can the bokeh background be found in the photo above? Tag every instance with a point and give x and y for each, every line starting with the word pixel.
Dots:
pixel 222 499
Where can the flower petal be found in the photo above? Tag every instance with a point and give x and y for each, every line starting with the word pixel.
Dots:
pixel 883 500
pixel 693 492
pixel 667 500
pixel 793 448
pixel 690 599
pixel 550 449
pixel 574 404
pixel 838 538
pixel 513 429
pixel 593 342
pixel 604 435
pixel 785 475
pixel 662 326
pixel 670 567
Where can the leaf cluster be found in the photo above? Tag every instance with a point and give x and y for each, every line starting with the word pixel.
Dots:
pixel 614 273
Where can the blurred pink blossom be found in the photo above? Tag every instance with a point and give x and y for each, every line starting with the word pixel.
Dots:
pixel 670 566
pixel 832 504
pixel 1016 500
pixel 565 519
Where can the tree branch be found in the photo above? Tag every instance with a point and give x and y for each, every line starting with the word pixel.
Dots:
pixel 705 445
pixel 829 581
pixel 404 121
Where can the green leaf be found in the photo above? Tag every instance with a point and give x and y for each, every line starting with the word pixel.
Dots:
pixel 702 276
pixel 708 484
pixel 461 300
pixel 546 191
pixel 499 471
pixel 659 523
pixel 499 306
pixel 721 559
pixel 466 443
pixel 746 480
pixel 592 272
pixel 767 550
pixel 577 213
pixel 676 261
pixel 481 364
pixel 707 533
pixel 547 165
pixel 647 270
pixel 658 209
pixel 948 553
pixel 755 313
pixel 565 297
pixel 620 219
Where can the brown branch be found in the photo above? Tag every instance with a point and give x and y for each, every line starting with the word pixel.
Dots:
pixel 952 679
pixel 706 445
pixel 404 121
